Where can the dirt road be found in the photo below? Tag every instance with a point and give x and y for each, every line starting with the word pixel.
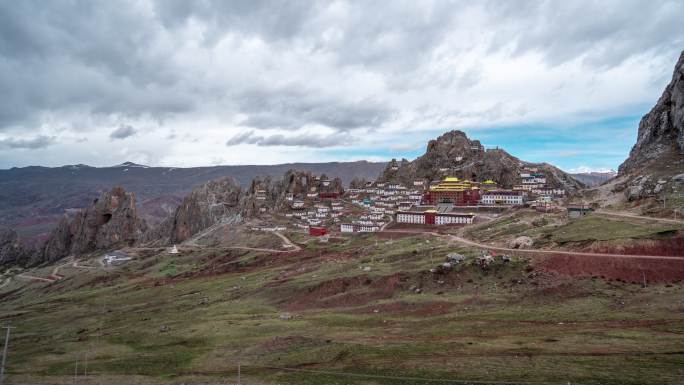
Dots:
pixel 623 214
pixel 535 251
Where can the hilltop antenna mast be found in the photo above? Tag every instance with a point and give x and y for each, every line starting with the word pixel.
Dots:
pixel 4 354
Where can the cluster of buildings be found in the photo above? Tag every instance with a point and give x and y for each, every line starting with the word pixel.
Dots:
pixel 446 202
pixel 533 182
pixel 315 214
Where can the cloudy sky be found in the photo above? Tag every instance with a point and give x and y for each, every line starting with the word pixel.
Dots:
pixel 189 83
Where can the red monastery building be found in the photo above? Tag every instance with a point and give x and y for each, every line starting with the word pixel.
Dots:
pixel 453 190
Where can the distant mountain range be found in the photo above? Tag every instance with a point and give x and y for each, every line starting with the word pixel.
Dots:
pixel 594 178
pixel 32 199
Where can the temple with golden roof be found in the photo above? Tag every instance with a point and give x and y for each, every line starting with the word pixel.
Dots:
pixel 460 192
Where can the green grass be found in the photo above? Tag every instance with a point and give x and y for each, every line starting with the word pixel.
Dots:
pixel 595 228
pixel 495 329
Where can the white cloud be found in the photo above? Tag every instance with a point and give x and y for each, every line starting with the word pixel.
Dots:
pixel 181 79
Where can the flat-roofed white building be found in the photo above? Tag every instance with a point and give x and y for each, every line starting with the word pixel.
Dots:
pixel 502 197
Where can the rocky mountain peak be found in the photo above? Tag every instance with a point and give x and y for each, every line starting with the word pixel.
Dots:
pixel 111 220
pixel 661 131
pixel 454 154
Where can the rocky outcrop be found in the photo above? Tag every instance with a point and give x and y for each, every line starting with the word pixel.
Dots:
pixel 661 131
pixel 651 173
pixel 454 154
pixel 266 195
pixel 213 202
pixel 651 179
pixel 110 221
pixel 11 250
pixel 521 242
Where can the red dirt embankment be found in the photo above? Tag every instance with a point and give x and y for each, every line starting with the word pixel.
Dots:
pixel 625 269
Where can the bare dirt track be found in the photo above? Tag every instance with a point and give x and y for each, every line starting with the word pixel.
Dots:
pixel 629 268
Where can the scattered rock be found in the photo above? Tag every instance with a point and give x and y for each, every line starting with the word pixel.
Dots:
pixel 521 242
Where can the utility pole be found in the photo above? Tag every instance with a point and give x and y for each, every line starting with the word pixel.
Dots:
pixel 75 371
pixel 4 354
pixel 238 383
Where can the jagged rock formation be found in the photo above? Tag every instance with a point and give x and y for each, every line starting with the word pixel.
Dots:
pixel 266 195
pixel 661 131
pixel 651 178
pixel 223 201
pixel 111 220
pixel 215 201
pixel 454 154
pixel 654 169
pixel 11 250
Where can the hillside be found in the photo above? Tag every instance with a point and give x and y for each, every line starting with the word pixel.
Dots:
pixel 32 199
pixel 454 154
pixel 359 310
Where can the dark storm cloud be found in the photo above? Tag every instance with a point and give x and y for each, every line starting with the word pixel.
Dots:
pixel 122 132
pixel 159 59
pixel 302 140
pixel 97 57
pixel 37 142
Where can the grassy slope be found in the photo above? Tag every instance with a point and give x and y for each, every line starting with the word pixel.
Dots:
pixel 503 324
pixel 554 230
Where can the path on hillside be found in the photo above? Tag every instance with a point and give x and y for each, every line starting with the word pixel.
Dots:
pixel 534 251
pixel 623 214
pixel 287 241
pixel 54 274
pixel 34 278
pixel 192 242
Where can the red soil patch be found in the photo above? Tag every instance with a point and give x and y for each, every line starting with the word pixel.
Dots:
pixel 345 292
pixel 410 309
pixel 625 269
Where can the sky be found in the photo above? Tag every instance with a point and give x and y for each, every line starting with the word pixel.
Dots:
pixel 193 83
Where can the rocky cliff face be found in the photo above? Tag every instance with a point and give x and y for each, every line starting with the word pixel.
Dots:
pixel 651 179
pixel 11 250
pixel 661 131
pixel 110 221
pixel 215 201
pixel 454 154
